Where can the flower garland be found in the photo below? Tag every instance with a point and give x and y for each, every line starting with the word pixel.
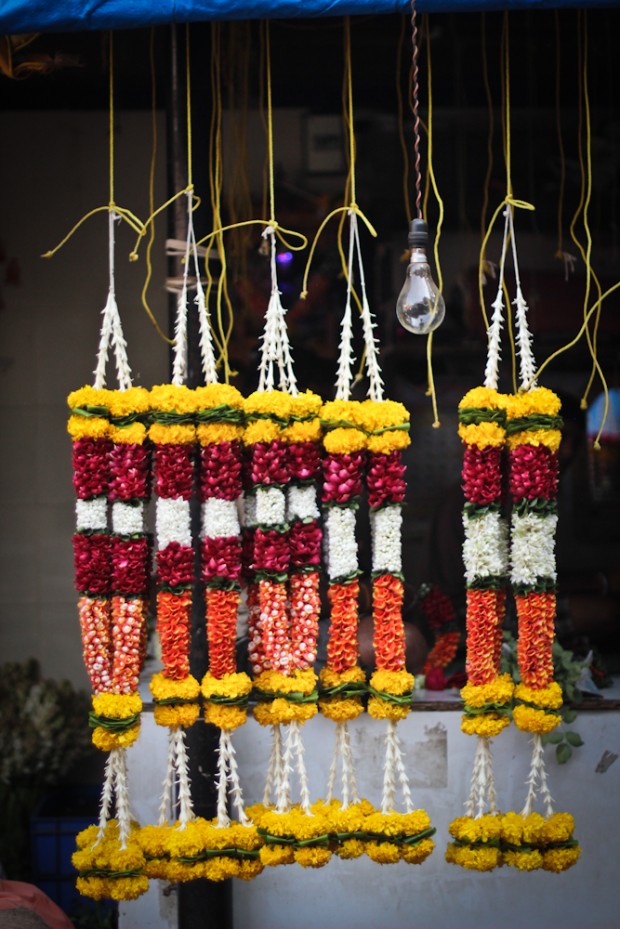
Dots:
pixel 342 680
pixel 391 685
pixel 285 693
pixel 533 437
pixel 441 620
pixel 488 694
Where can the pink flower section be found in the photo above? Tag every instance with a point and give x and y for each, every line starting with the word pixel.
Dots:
pixel 342 477
pixel 130 559
pixel 533 473
pixel 269 463
pixel 385 479
pixel 91 467
pixel 175 565
pixel 221 557
pixel 482 478
pixel 92 563
pixel 174 469
pixel 304 541
pixel 220 471
pixel 304 461
pixel 129 466
pixel 271 551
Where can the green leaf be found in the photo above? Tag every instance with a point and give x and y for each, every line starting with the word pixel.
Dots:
pixel 563 752
pixel 553 738
pixel 569 715
pixel 574 739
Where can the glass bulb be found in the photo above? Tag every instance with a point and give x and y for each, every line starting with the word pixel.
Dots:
pixel 420 307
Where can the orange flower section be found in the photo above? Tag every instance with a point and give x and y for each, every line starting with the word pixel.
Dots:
pixel 273 601
pixel 389 630
pixel 483 635
pixel 173 616
pixel 222 608
pixel 342 645
pixel 127 643
pixel 305 611
pixel 95 625
pixel 536 614
pixel 443 651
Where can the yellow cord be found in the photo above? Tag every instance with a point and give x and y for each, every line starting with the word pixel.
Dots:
pixel 350 205
pixel 130 218
pixel 151 239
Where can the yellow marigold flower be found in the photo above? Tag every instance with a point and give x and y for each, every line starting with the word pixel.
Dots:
pixel 483 434
pixel 248 870
pixel 173 398
pixel 125 402
pixel 524 861
pixel 87 427
pixel 528 719
pixel 550 438
pixel 482 398
pixel 230 685
pixel 350 848
pixel 302 432
pixel 262 430
pixel 416 854
pixel 276 682
pixel 392 682
pixel 213 395
pixel 220 869
pixel 163 688
pixel 329 678
pixel 533 828
pixel 558 828
pixel 383 413
pixel 340 709
pixel 351 819
pixel 512 828
pixel 117 706
pixel 312 857
pixel 105 740
pixel 306 404
pixel 173 717
pixel 549 697
pixel 498 691
pixel 382 852
pixel 540 400
pixel 161 434
pixel 485 828
pixel 379 708
pixel 225 717
pixel 89 396
pixel 474 859
pixel 216 433
pixel 347 411
pixel 344 441
pixel 276 402
pixel 560 859
pixel 487 724
pixel 273 855
pixel 153 840
pixel 388 442
pixel 134 434
pixel 283 711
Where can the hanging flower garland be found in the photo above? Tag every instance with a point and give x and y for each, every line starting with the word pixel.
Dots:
pixel 342 680
pixel 440 617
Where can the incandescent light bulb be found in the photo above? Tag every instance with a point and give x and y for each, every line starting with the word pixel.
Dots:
pixel 420 307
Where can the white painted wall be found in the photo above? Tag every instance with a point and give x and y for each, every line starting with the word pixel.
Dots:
pixel 53 168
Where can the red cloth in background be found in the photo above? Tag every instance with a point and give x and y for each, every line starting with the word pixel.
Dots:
pixel 17 893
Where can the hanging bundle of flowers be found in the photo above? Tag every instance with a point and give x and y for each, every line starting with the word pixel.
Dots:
pixel 342 680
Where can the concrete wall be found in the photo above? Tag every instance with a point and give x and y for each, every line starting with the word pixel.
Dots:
pixel 54 168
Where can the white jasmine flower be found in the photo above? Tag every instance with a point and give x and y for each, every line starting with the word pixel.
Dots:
pixel 485 550
pixel 302 503
pixel 270 506
pixel 127 519
pixel 386 527
pixel 533 547
pixel 342 558
pixel 172 522
pixel 91 514
pixel 220 518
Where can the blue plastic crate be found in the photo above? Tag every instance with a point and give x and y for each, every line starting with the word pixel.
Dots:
pixel 53 828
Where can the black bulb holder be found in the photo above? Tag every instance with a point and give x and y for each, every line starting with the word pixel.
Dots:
pixel 418 234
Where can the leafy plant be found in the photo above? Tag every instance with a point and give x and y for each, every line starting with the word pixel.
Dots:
pixel 567 672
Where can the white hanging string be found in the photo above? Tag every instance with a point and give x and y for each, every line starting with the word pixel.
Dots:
pixel 107 793
pixel 343 753
pixel 275 346
pixel 491 372
pixel 274 770
pixel 537 780
pixel 166 805
pixel 121 789
pixel 527 364
pixel 375 388
pixel 186 809
pixel 482 795
pixel 111 328
pixel 298 751
pixel 345 352
pixel 207 354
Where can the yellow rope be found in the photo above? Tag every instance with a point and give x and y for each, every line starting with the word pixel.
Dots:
pixel 126 215
pixel 151 239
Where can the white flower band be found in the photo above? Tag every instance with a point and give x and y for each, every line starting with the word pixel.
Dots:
pixel 485 550
pixel 172 522
pixel 342 548
pixel 302 503
pixel 220 518
pixel 386 528
pixel 127 519
pixel 533 548
pixel 270 506
pixel 91 514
